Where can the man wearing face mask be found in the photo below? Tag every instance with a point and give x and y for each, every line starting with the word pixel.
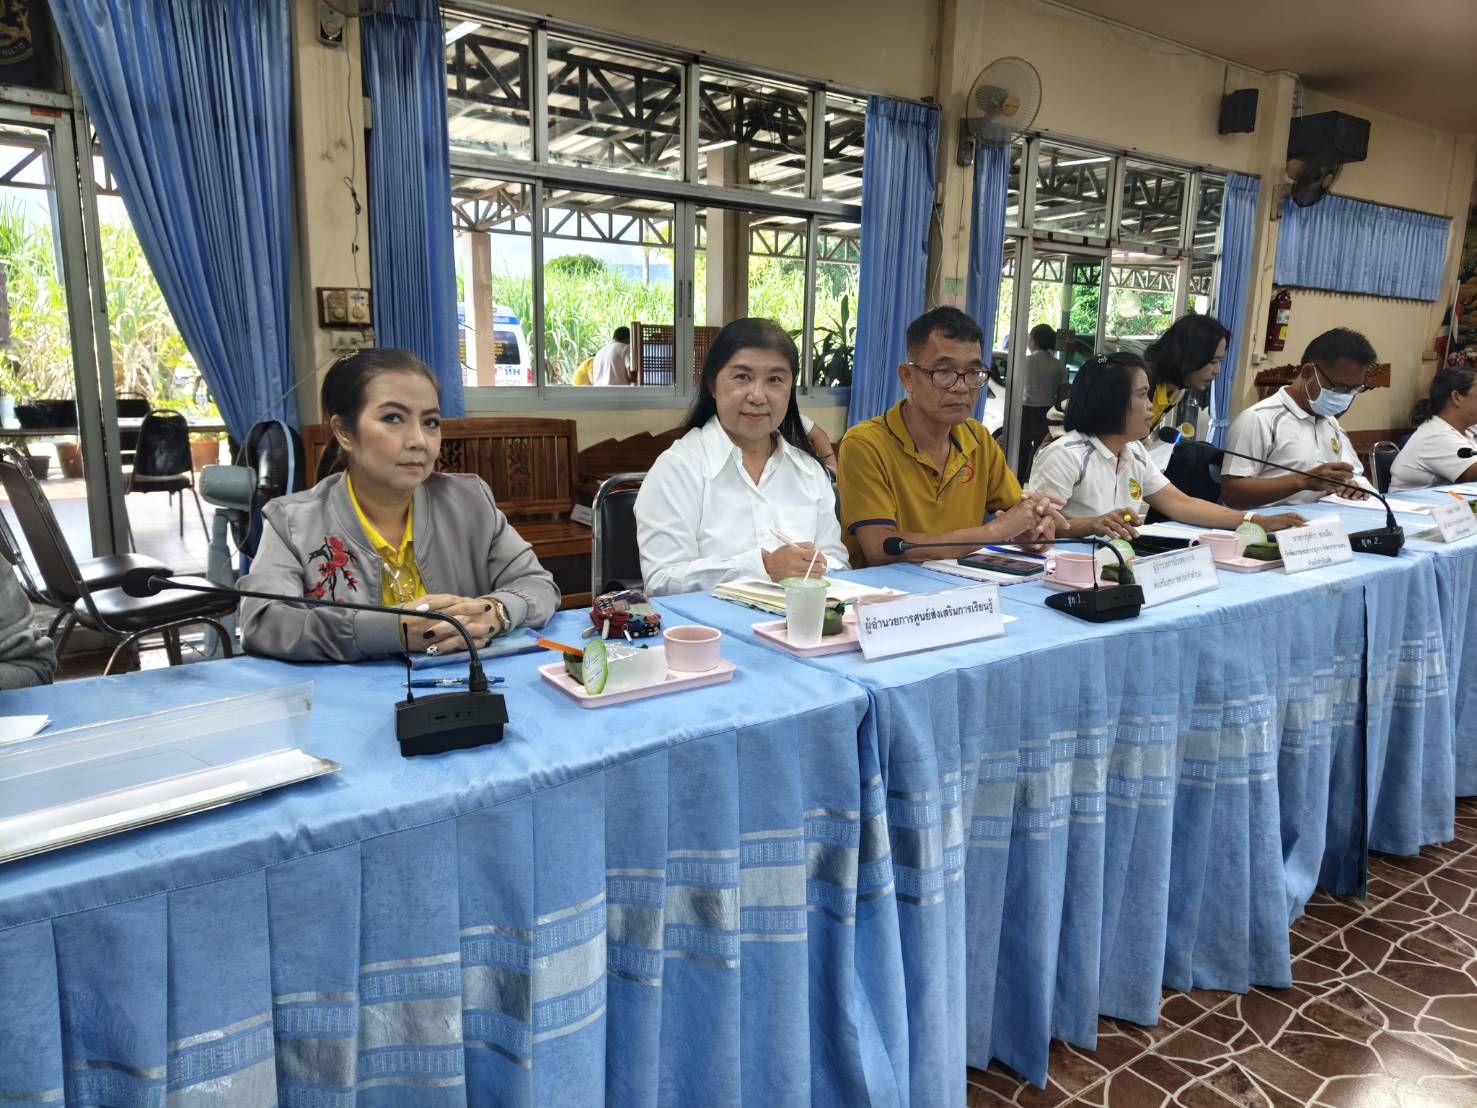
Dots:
pixel 1298 426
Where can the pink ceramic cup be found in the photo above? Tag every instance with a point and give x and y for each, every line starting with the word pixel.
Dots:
pixel 1068 568
pixel 1222 544
pixel 692 648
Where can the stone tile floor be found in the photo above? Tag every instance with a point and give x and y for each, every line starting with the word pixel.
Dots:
pixel 1382 1012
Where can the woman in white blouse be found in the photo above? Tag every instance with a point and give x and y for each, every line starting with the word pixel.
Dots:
pixel 1102 469
pixel 741 493
pixel 1443 425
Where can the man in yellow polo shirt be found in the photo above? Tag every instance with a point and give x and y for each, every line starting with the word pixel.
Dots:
pixel 925 470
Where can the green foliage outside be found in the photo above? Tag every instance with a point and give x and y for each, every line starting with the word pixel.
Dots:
pixel 586 299
pixel 148 352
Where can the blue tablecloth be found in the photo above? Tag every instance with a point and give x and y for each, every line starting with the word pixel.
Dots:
pixel 680 901
pixel 1140 804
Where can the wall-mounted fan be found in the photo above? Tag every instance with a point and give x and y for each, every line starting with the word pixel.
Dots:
pixel 1312 178
pixel 1002 102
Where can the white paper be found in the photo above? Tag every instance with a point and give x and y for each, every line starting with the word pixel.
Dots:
pixel 13 728
pixel 1320 543
pixel 1454 521
pixel 921 621
pixel 1168 529
pixel 1174 575
pixel 1460 490
pixel 1414 507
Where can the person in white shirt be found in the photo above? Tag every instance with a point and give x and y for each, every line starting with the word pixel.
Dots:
pixel 1443 425
pixel 740 494
pixel 613 360
pixel 1102 469
pixel 1298 426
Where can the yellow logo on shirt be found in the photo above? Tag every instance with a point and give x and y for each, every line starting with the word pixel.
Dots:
pixel 1337 446
pixel 1135 490
pixel 1188 430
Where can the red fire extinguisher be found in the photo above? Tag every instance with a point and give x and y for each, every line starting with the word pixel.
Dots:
pixel 1278 320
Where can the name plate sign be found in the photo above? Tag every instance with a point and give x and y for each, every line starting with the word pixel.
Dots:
pixel 1318 544
pixel 1177 574
pixel 1455 520
pixel 922 621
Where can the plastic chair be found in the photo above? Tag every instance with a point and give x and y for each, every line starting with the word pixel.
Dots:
pixel 615 558
pixel 1381 460
pixel 161 461
pixel 110 610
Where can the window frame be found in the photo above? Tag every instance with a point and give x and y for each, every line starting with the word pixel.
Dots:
pixel 684 192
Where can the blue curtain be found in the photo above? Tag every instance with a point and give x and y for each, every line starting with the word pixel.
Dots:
pixel 191 103
pixel 410 243
pixel 1238 229
pixel 897 202
pixel 987 234
pixel 1348 245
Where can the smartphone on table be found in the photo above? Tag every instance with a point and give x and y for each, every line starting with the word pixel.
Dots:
pixel 1003 563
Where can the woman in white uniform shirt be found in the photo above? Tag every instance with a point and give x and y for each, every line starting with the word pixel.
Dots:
pixel 1443 425
pixel 1102 469
pixel 717 501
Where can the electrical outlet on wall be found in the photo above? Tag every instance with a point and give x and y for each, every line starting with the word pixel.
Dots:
pixel 338 307
pixel 350 340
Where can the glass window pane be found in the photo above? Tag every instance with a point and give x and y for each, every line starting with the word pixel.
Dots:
pixel 613 109
pixel 1013 185
pixel 846 126
pixel 752 133
pixel 492 226
pixel 837 278
pixel 1201 293
pixel 1140 299
pixel 1072 191
pixel 607 264
pixel 1207 238
pixel 487 90
pixel 1153 204
pixel 750 263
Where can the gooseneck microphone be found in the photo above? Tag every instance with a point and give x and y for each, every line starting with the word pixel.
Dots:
pixel 1466 452
pixel 430 725
pixel 1387 540
pixel 1097 604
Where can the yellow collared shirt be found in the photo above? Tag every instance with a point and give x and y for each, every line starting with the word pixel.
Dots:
pixel 885 479
pixel 400 578
pixel 1164 398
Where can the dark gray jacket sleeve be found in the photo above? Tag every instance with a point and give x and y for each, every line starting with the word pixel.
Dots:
pixel 304 634
pixel 26 658
pixel 525 588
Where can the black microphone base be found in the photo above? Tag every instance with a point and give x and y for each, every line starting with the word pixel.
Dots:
pixel 1378 540
pixel 449 721
pixel 1101 605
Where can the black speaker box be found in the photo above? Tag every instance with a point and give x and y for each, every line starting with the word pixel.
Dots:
pixel 1332 135
pixel 1238 111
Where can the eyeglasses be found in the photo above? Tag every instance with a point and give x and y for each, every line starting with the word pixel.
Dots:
pixel 947 378
pixel 1334 387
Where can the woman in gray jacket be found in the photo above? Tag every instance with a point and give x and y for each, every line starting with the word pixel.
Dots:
pixel 384 528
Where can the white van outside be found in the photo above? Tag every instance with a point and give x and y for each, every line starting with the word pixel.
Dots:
pixel 510 350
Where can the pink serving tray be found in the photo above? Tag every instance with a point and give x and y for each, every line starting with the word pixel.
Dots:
pixel 1247 565
pixel 555 674
pixel 774 631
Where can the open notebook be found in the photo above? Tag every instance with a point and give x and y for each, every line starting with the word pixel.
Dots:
pixel 767 596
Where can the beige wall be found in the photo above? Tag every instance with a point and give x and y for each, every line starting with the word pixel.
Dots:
pixel 884 46
pixel 593 426
pixel 1099 82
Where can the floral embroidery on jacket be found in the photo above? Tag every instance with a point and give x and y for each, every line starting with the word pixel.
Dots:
pixel 335 559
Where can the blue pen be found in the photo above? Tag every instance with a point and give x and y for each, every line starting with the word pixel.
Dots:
pixel 445 682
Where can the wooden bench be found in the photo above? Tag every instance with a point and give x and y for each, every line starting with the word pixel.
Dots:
pixel 634 454
pixel 532 467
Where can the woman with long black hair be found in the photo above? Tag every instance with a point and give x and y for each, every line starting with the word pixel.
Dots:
pixel 1186 357
pixel 1443 424
pixel 741 493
